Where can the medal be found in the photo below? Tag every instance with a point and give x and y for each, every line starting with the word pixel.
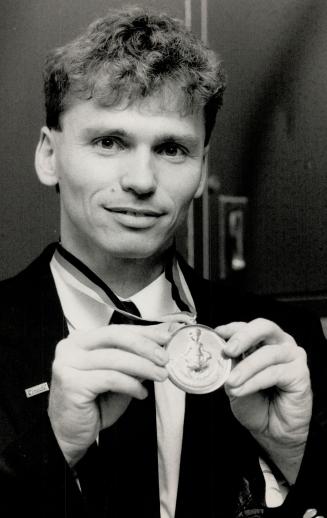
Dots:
pixel 196 361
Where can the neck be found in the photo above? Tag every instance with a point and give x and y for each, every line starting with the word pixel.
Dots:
pixel 128 276
pixel 124 276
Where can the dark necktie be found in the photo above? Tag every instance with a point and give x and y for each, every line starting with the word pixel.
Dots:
pixel 122 318
pixel 130 446
pixel 95 480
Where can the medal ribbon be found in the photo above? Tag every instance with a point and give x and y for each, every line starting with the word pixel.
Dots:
pixel 84 274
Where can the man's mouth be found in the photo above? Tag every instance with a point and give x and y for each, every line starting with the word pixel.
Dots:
pixel 135 217
pixel 145 213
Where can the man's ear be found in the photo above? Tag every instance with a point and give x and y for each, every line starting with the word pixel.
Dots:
pixel 45 163
pixel 204 174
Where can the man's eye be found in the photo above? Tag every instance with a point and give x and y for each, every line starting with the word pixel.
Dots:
pixel 173 150
pixel 108 144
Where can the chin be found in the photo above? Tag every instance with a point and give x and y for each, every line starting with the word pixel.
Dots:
pixel 142 251
pixel 135 254
pixel 134 246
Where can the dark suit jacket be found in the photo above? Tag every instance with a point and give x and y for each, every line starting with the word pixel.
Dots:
pixel 220 475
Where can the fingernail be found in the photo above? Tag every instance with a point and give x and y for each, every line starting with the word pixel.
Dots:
pixel 164 337
pixel 144 394
pixel 161 374
pixel 161 355
pixel 174 326
pixel 234 377
pixel 232 346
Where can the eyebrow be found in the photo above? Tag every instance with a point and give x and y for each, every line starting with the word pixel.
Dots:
pixel 104 130
pixel 188 140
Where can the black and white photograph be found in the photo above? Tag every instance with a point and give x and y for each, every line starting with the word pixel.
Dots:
pixel 163 259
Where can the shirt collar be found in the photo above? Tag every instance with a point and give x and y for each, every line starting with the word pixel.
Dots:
pixel 85 308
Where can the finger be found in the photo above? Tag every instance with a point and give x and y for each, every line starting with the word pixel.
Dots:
pixel 261 359
pixel 144 342
pixel 273 376
pixel 257 332
pixel 226 331
pixel 119 360
pixel 179 317
pixel 103 381
pixel 120 334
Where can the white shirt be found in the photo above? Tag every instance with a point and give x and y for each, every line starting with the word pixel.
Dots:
pixel 86 309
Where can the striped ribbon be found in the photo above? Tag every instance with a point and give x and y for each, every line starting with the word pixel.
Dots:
pixel 86 276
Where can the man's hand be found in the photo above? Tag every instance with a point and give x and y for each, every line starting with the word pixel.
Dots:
pixel 269 389
pixel 94 376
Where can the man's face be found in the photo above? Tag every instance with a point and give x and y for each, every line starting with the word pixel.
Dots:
pixel 127 176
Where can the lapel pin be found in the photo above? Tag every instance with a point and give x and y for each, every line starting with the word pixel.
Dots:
pixel 37 389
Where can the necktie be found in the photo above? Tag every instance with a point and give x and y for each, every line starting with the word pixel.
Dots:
pixel 131 446
pixel 122 318
pixel 93 480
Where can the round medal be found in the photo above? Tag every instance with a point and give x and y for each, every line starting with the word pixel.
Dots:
pixel 196 363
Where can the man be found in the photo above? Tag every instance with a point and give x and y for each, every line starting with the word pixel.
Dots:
pixel 91 424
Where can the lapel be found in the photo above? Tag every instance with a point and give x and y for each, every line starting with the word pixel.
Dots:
pixel 45 323
pixel 32 329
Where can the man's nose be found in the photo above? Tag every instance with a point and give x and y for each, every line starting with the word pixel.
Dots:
pixel 139 174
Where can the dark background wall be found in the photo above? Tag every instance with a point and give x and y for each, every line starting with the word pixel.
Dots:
pixel 271 136
pixel 269 143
